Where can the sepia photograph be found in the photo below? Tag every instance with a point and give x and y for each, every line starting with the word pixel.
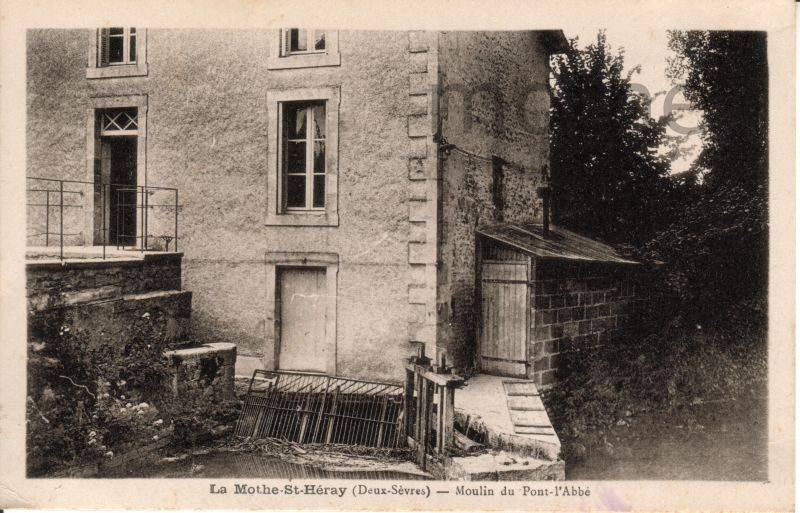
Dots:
pixel 374 261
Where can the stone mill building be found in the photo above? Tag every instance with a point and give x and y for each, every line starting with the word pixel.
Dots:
pixel 342 195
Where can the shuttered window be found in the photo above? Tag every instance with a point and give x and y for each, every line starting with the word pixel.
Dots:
pixel 301 41
pixel 116 46
pixel 303 48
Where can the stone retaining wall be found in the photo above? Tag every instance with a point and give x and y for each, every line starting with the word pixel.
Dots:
pixel 52 284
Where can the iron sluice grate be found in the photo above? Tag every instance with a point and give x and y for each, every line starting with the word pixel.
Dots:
pixel 316 408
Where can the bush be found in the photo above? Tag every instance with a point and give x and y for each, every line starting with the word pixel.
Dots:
pixel 85 401
pixel 661 371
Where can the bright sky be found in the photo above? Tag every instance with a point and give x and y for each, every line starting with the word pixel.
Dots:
pixel 648 49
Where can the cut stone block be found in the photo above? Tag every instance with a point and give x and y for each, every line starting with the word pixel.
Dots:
pixel 86 295
pixel 525 430
pixel 525 403
pixel 514 388
pixel 417 41
pixel 530 418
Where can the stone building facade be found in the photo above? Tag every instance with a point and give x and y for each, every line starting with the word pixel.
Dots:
pixel 330 182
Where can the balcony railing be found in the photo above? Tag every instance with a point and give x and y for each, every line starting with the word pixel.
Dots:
pixel 66 213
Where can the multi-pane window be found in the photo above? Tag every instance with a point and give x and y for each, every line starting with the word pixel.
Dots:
pixel 116 45
pixel 303 136
pixel 299 41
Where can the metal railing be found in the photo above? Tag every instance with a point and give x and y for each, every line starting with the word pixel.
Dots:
pixel 126 214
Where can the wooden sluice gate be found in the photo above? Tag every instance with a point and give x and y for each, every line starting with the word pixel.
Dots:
pixel 316 408
pixel 429 396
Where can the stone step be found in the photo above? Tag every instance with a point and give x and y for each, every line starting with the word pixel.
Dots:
pixel 527 430
pixel 516 388
pixel 525 403
pixel 530 418
pixel 56 284
pixel 117 320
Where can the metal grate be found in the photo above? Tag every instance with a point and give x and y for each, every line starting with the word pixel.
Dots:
pixel 315 408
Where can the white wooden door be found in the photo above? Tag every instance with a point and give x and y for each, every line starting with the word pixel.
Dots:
pixel 303 305
pixel 505 319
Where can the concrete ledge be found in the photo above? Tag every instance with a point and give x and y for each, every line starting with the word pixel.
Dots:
pixel 484 407
pixel 202 351
pixel 534 446
pixel 503 466
pixel 91 257
pixel 494 466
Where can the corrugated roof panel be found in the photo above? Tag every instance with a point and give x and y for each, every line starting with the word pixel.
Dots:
pixel 559 244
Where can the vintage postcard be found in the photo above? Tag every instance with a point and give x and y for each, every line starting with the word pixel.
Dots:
pixel 419 255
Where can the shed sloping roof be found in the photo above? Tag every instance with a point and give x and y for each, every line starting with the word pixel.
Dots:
pixel 560 244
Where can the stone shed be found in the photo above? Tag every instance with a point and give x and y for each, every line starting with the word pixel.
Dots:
pixel 543 293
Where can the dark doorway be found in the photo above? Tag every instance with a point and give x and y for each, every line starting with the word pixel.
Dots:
pixel 123 192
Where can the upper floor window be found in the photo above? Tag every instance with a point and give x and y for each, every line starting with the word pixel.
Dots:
pixel 117 45
pixel 303 48
pixel 303 155
pixel 303 41
pixel 118 52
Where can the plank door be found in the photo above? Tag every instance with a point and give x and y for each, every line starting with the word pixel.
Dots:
pixel 303 342
pixel 504 323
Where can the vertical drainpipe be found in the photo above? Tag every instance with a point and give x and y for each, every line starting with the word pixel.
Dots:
pixel 546 212
pixel 545 193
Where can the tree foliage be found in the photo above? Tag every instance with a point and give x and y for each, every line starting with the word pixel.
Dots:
pixel 702 333
pixel 608 176
pixel 610 171
pixel 717 242
pixel 724 74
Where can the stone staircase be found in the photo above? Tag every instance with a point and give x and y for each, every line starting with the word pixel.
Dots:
pixel 527 410
pixel 102 299
pixel 507 416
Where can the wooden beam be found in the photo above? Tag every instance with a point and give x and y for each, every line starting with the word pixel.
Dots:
pixel 449 417
pixel 465 444
pixel 408 402
pixel 447 380
pixel 423 424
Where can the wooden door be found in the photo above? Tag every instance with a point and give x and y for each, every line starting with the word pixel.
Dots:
pixel 505 318
pixel 303 304
pixel 102 177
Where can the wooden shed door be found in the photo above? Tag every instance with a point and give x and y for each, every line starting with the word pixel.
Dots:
pixel 504 326
pixel 303 344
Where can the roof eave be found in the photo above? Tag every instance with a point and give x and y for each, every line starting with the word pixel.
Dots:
pixel 483 232
pixel 554 41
